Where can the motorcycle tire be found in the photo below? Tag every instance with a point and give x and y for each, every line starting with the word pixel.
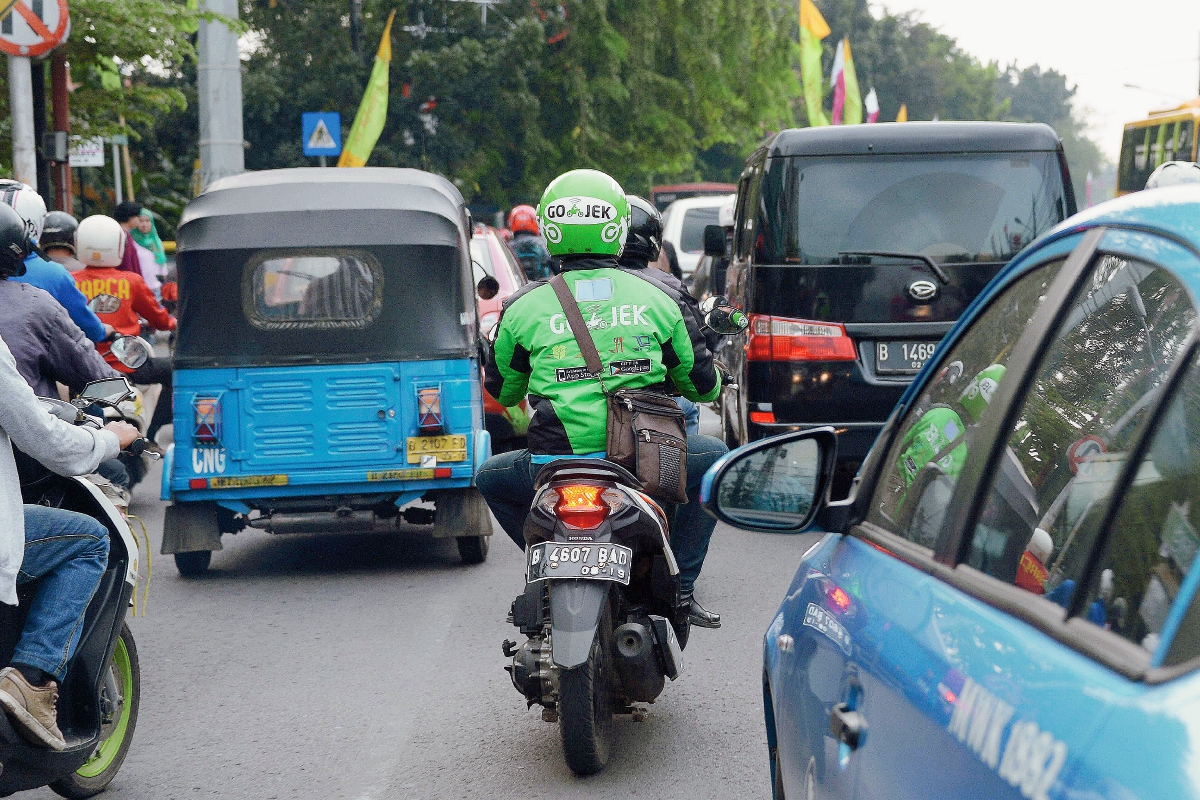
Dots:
pixel 125 675
pixel 473 549
pixel 585 700
pixel 194 563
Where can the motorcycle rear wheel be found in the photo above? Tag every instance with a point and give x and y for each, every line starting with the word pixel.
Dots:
pixel 117 733
pixel 585 699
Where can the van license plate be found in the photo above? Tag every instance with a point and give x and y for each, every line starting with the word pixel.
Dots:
pixel 596 562
pixel 444 448
pixel 902 358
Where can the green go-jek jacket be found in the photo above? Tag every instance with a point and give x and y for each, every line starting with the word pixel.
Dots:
pixel 643 330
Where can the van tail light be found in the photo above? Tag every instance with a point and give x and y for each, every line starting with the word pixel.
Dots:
pixel 782 339
pixel 582 506
pixel 207 415
pixel 763 417
pixel 429 410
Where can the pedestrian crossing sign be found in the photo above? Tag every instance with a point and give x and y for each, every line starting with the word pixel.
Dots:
pixel 321 133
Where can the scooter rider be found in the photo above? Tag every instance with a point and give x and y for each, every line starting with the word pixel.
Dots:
pixel 58 240
pixel 646 335
pixel 65 551
pixel 527 244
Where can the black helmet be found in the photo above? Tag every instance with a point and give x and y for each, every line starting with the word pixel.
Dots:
pixel 59 231
pixel 644 241
pixel 14 242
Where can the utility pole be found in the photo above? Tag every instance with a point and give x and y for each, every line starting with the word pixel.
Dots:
pixel 20 87
pixel 220 83
pixel 62 122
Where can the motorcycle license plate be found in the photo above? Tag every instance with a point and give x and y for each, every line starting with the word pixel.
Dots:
pixel 443 448
pixel 596 562
pixel 902 358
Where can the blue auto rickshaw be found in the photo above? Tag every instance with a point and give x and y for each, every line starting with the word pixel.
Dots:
pixel 327 371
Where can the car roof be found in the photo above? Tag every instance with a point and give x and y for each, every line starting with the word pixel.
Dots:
pixel 703 201
pixel 915 138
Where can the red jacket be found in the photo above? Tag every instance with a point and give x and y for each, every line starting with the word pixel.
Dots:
pixel 123 298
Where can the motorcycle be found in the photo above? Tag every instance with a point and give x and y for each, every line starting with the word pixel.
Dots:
pixel 601 609
pixel 99 698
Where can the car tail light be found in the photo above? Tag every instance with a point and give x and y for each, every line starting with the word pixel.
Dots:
pixel 429 410
pixel 782 339
pixel 207 411
pixel 582 506
pixel 763 417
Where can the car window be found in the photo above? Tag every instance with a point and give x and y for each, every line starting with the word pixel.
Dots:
pixel 931 446
pixel 691 238
pixel 1154 540
pixel 325 290
pixel 481 259
pixel 1086 408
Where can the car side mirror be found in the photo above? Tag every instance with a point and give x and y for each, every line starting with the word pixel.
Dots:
pixel 776 485
pixel 714 240
pixel 488 287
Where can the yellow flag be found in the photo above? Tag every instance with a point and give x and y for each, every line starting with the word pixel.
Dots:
pixel 372 112
pixel 903 115
pixel 813 29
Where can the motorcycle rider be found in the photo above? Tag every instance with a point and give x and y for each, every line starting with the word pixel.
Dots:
pixel 527 244
pixel 54 278
pixel 646 335
pixel 65 551
pixel 58 240
pixel 120 298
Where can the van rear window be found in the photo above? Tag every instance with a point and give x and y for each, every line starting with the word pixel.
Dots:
pixel 318 290
pixel 975 207
pixel 691 238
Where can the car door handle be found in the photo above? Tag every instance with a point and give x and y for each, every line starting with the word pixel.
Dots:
pixel 847 726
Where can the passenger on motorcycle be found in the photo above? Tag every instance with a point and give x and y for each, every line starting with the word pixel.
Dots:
pixel 58 240
pixel 527 244
pixel 647 336
pixel 39 272
pixel 63 550
pixel 122 299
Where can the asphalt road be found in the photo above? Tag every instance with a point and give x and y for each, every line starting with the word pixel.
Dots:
pixel 369 667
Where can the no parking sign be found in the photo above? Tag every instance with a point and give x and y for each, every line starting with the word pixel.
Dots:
pixel 1084 450
pixel 32 28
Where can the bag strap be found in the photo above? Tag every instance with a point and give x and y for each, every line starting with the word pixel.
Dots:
pixel 591 356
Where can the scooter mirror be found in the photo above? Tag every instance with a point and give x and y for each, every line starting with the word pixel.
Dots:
pixel 726 320
pixel 488 287
pixel 132 351
pixel 711 302
pixel 109 391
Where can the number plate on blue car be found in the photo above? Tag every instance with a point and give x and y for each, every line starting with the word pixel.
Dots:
pixel 597 562
pixel 902 358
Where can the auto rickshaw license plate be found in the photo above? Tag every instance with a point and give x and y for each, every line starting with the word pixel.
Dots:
pixel 597 562
pixel 444 448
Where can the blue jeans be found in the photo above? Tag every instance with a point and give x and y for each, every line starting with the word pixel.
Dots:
pixel 68 552
pixel 506 482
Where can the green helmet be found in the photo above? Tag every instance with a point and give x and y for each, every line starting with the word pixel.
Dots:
pixel 584 212
pixel 979 391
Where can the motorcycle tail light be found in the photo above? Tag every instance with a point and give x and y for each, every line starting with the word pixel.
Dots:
pixel 207 411
pixel 839 598
pixel 429 410
pixel 580 506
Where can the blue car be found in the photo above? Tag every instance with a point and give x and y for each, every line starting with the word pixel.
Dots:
pixel 1006 605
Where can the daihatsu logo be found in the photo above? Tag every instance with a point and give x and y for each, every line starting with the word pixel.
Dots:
pixel 922 291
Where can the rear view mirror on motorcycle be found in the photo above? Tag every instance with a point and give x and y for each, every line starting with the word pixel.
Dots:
pixel 109 391
pixel 132 351
pixel 726 320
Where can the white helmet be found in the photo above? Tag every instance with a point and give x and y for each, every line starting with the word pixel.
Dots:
pixel 100 242
pixel 1172 173
pixel 27 202
pixel 1041 545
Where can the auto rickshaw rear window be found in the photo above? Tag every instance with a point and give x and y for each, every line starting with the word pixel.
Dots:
pixel 323 290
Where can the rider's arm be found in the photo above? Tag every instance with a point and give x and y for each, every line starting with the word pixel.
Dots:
pixel 689 362
pixel 76 304
pixel 59 446
pixel 147 307
pixel 67 355
pixel 507 370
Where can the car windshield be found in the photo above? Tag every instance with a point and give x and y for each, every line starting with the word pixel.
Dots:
pixel 977 207
pixel 691 239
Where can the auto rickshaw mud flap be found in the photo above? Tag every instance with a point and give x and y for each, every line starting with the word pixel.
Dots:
pixel 461 512
pixel 188 527
pixel 575 608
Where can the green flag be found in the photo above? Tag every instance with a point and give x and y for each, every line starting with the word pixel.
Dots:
pixel 813 29
pixel 372 112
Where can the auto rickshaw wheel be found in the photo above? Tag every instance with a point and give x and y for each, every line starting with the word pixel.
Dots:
pixel 193 564
pixel 473 549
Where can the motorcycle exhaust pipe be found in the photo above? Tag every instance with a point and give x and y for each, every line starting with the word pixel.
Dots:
pixel 636 664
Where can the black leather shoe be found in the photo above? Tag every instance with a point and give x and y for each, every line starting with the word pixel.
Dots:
pixel 698 616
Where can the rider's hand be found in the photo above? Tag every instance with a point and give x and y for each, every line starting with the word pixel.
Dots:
pixel 124 431
pixel 109 331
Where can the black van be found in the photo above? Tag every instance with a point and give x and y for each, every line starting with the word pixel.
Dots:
pixel 857 247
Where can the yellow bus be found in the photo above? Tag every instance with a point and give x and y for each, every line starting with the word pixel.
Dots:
pixel 1166 135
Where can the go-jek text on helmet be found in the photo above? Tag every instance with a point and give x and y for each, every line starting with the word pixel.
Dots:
pixel 27 202
pixel 100 242
pixel 59 231
pixel 644 240
pixel 14 243
pixel 1173 173
pixel 523 219
pixel 979 391
pixel 584 212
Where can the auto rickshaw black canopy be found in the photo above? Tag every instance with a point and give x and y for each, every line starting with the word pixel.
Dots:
pixel 412 225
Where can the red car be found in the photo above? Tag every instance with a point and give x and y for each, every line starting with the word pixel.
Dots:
pixel 491 257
